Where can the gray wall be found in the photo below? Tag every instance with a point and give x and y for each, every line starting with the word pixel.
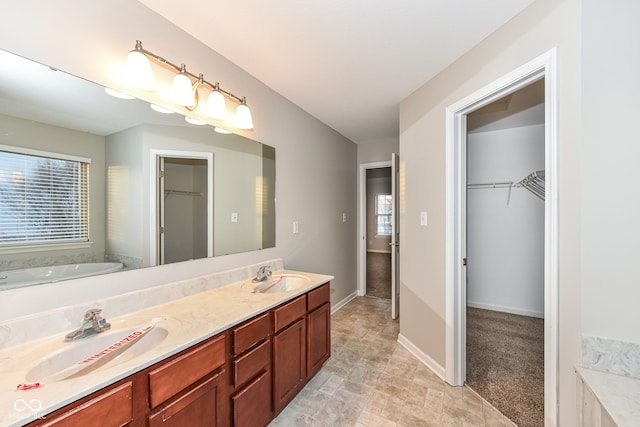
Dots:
pixel 610 151
pixel 316 166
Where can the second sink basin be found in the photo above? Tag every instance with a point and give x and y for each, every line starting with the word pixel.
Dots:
pixel 121 343
pixel 281 283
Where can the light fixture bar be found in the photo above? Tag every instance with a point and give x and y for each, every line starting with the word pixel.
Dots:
pixel 197 80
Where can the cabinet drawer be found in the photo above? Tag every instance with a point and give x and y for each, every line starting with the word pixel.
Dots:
pixel 318 296
pixel 252 405
pixel 247 335
pixel 180 373
pixel 113 408
pixel 195 408
pixel 285 315
pixel 252 363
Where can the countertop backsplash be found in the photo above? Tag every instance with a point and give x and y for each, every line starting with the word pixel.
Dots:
pixel 39 325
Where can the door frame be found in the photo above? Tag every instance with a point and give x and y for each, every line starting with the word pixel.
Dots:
pixel 155 155
pixel 543 66
pixel 362 216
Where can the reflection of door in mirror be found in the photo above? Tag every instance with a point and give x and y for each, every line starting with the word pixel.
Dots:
pixel 183 230
pixel 183 209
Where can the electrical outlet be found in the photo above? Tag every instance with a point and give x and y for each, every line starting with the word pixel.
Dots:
pixel 344 217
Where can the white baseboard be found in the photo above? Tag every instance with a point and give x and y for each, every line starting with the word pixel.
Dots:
pixel 424 358
pixel 337 306
pixel 377 251
pixel 504 309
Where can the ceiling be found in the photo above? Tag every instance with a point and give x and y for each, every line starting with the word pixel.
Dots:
pixel 348 63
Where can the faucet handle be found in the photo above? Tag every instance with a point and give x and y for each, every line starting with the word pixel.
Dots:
pixel 92 314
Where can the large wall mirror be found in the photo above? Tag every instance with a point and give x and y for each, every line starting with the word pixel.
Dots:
pixel 160 189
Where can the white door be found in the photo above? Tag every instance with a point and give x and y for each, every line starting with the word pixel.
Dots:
pixel 395 244
pixel 161 199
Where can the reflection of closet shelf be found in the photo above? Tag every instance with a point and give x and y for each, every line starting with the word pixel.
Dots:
pixel 533 182
pixel 181 193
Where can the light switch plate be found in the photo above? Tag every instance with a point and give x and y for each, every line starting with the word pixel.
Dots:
pixel 423 218
pixel 234 216
pixel 344 217
pixel 296 230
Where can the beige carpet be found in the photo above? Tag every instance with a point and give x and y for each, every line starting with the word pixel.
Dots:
pixel 505 363
pixel 378 275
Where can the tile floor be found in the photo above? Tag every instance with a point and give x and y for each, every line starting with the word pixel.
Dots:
pixel 372 381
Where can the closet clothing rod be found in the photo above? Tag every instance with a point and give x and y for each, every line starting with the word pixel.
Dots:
pixel 182 193
pixel 504 184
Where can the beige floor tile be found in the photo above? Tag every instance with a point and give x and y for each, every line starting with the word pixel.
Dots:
pixel 372 381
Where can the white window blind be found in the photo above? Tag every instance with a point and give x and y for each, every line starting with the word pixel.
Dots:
pixel 43 200
pixel 384 205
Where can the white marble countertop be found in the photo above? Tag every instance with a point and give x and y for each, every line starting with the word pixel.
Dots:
pixel 618 395
pixel 189 320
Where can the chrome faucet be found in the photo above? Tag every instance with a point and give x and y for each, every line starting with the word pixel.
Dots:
pixel 262 274
pixel 92 324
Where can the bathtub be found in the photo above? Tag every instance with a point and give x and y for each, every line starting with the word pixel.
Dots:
pixel 37 275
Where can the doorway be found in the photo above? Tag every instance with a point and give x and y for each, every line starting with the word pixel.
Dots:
pixel 543 67
pixel 378 232
pixel 181 220
pixel 505 248
pixel 392 243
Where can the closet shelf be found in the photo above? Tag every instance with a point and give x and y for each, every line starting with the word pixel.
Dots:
pixel 533 182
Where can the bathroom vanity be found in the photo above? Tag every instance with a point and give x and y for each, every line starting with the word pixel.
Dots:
pixel 234 373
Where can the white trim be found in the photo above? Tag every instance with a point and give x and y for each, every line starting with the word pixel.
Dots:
pixel 362 212
pixel 505 309
pixel 154 154
pixel 424 358
pixel 542 66
pixel 40 153
pixel 45 247
pixel 337 306
pixel 377 251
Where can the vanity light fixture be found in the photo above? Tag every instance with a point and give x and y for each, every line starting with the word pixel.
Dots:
pixel 243 116
pixel 194 121
pixel 185 87
pixel 221 130
pixel 159 109
pixel 117 94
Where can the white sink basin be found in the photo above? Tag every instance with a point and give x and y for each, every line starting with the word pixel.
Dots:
pixel 124 341
pixel 281 283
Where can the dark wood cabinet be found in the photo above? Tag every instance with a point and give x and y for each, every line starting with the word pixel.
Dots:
pixel 251 397
pixel 289 363
pixel 199 407
pixel 252 404
pixel 318 338
pixel 243 376
pixel 112 407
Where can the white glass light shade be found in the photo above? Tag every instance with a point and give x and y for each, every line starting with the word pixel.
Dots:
pixel 137 71
pixel 243 117
pixel 215 107
pixel 194 121
pixel 181 91
pixel 221 130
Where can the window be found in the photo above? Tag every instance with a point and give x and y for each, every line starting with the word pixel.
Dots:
pixel 43 199
pixel 384 206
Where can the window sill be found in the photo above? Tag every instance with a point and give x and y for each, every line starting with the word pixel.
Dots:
pixel 44 248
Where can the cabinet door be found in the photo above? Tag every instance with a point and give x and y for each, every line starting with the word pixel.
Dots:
pixel 252 405
pixel 111 408
pixel 289 363
pixel 199 407
pixel 318 339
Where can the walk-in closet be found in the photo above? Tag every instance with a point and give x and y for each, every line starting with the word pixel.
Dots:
pixel 505 254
